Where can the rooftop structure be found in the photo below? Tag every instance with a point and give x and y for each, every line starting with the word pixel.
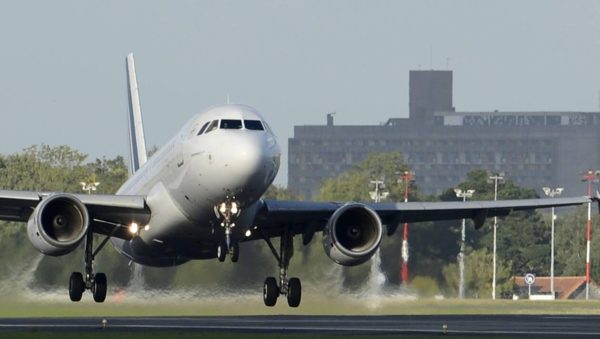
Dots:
pixel 534 149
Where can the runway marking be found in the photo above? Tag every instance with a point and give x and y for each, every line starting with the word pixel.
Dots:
pixel 267 328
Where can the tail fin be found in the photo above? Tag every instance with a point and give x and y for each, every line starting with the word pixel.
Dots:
pixel 137 144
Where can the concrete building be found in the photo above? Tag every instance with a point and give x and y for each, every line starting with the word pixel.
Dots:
pixel 441 145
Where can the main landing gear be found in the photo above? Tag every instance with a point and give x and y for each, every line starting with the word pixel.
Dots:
pixel 227 211
pixel 95 282
pixel 289 287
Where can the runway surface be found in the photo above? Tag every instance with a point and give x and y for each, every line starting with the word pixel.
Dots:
pixel 434 324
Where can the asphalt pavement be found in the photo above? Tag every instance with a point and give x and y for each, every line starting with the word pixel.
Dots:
pixel 559 325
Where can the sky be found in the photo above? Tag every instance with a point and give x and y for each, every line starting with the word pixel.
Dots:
pixel 62 63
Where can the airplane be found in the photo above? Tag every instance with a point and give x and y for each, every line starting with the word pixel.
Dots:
pixel 199 197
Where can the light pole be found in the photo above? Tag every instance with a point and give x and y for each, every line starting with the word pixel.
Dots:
pixel 89 186
pixel 461 256
pixel 552 193
pixel 406 178
pixel 591 177
pixel 495 179
pixel 377 195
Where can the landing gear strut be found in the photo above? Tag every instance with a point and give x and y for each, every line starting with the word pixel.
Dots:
pixel 95 282
pixel 227 211
pixel 289 287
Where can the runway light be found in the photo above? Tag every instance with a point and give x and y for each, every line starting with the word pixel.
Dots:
pixel 248 233
pixel 133 228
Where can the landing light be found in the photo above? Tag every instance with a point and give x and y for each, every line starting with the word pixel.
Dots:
pixel 223 208
pixel 133 228
pixel 147 227
pixel 248 233
pixel 234 208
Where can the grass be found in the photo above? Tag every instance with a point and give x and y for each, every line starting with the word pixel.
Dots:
pixel 142 305
pixel 251 304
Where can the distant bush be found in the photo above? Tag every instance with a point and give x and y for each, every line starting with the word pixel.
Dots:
pixel 426 287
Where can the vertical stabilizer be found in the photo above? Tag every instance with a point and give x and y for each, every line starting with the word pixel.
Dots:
pixel 137 144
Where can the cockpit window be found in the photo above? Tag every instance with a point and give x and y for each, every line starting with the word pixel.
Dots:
pixel 231 124
pixel 213 126
pixel 268 128
pixel 254 125
pixel 203 128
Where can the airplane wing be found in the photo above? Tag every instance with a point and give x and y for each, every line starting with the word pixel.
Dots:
pixel 109 214
pixel 314 215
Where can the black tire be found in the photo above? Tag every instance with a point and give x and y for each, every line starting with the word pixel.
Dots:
pixel 235 252
pixel 221 252
pixel 270 292
pixel 294 292
pixel 100 285
pixel 76 286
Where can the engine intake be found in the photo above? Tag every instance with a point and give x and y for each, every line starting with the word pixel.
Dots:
pixel 352 234
pixel 58 224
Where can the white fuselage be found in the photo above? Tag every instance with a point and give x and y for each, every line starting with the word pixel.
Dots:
pixel 193 173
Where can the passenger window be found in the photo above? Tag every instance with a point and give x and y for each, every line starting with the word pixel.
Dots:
pixel 203 128
pixel 254 125
pixel 213 126
pixel 231 124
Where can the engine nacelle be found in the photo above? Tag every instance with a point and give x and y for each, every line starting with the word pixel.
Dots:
pixel 58 224
pixel 352 234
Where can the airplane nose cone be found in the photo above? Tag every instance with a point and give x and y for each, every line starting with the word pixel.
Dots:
pixel 247 153
pixel 251 163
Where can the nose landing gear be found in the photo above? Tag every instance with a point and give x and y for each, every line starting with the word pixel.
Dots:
pixel 227 211
pixel 233 250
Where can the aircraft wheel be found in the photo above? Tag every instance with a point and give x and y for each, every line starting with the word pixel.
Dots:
pixel 76 286
pixel 294 292
pixel 221 252
pixel 99 289
pixel 235 252
pixel 270 291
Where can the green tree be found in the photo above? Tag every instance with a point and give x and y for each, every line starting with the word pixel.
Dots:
pixel 60 168
pixel 522 237
pixel 280 193
pixel 110 173
pixel 354 184
pixel 478 276
pixel 571 243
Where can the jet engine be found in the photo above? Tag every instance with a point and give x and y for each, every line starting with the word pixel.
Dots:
pixel 352 234
pixel 58 224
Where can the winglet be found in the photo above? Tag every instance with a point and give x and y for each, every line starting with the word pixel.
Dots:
pixel 137 144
